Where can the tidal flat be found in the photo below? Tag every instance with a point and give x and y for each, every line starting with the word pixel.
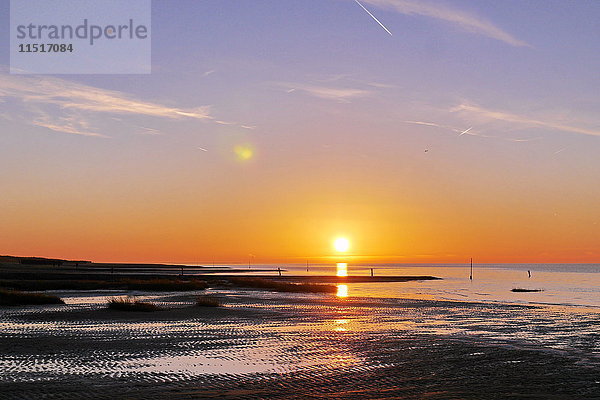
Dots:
pixel 272 345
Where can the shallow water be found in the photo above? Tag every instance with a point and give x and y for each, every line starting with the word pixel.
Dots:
pixel 561 284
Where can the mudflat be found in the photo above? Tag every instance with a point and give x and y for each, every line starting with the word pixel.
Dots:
pixel 276 346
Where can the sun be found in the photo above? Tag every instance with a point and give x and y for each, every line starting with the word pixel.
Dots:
pixel 341 245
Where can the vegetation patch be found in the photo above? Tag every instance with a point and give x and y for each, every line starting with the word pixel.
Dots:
pixel 267 284
pixel 16 298
pixel 130 304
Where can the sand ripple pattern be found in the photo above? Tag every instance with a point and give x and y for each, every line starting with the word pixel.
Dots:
pixel 281 346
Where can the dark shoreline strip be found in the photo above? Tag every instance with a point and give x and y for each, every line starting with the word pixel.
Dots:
pixel 344 279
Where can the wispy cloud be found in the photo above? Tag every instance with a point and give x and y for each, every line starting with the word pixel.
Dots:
pixel 66 106
pixel 427 124
pixel 464 20
pixel 471 110
pixel 380 85
pixel 148 131
pixel 72 125
pixel 343 95
pixel 348 79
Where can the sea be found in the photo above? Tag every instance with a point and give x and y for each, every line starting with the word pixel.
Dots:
pixel 574 285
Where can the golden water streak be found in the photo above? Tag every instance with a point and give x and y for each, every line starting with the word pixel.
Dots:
pixel 342 269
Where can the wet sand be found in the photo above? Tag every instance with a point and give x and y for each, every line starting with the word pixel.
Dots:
pixel 275 346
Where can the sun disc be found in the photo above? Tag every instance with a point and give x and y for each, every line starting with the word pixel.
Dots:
pixel 341 245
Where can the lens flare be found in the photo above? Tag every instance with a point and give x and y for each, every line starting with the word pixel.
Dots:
pixel 243 152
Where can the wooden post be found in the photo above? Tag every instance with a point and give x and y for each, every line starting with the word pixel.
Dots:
pixel 471 276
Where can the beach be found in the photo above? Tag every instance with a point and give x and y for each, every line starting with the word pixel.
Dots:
pixel 266 344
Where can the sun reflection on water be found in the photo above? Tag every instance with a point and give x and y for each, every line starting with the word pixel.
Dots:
pixel 342 269
pixel 342 291
pixel 340 325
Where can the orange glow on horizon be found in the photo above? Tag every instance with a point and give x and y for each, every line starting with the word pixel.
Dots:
pixel 172 221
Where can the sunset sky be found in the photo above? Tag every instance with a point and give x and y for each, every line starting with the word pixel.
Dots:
pixel 270 128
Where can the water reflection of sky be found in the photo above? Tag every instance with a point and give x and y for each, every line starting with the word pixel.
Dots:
pixel 578 286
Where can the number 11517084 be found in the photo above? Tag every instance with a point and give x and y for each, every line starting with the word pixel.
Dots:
pixel 45 48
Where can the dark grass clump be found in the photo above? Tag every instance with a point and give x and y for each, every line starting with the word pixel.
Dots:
pixel 520 290
pixel 267 284
pixel 130 304
pixel 16 298
pixel 207 301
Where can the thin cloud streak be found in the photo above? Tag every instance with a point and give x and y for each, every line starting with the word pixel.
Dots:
pixel 148 131
pixel 66 127
pixel 77 103
pixel 424 123
pixel 343 95
pixel 468 22
pixel 519 119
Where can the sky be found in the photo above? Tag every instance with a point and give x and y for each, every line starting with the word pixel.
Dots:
pixel 425 131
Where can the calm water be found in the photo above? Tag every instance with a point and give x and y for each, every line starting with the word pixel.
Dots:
pixel 562 284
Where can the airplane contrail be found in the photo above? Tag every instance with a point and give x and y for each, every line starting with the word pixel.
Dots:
pixel 465 131
pixel 563 149
pixel 372 16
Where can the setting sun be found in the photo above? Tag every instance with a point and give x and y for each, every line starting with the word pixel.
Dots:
pixel 341 245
